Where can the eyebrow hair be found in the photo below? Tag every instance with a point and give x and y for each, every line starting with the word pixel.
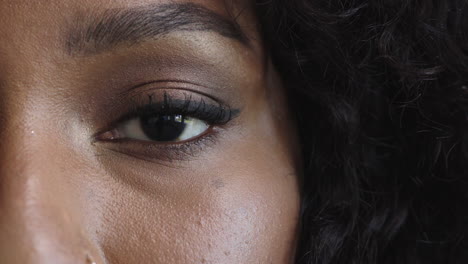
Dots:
pixel 134 25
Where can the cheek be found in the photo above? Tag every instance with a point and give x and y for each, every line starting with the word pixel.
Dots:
pixel 255 214
pixel 240 205
pixel 249 216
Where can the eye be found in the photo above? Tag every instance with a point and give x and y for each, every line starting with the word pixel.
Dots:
pixel 167 127
pixel 167 120
pixel 162 128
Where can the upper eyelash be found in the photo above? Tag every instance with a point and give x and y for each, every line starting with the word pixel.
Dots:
pixel 210 113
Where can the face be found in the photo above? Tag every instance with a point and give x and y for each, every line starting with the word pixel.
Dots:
pixel 138 131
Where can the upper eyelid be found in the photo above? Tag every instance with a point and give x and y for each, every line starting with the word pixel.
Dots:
pixel 170 84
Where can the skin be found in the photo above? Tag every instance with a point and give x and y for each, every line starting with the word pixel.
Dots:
pixel 68 197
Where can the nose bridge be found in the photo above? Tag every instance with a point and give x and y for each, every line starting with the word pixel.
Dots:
pixel 39 208
pixel 40 205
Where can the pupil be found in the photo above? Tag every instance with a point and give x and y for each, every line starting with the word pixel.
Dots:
pixel 163 128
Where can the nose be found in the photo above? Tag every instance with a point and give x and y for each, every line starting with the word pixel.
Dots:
pixel 41 212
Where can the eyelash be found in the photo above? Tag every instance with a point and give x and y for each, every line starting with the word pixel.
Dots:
pixel 180 151
pixel 214 115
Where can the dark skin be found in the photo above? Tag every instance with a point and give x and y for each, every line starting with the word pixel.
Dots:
pixel 81 182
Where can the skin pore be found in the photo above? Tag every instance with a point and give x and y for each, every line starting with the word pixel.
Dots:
pixel 81 183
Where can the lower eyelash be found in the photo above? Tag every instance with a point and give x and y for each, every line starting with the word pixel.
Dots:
pixel 157 152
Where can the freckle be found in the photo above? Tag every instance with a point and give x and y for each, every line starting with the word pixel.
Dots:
pixel 218 183
pixel 201 223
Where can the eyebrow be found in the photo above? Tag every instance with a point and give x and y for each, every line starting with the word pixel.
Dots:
pixel 132 26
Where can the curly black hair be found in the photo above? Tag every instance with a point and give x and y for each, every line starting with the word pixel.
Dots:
pixel 380 90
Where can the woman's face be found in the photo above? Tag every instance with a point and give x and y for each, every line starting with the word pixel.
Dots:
pixel 142 131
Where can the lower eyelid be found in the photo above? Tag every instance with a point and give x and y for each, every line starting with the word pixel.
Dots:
pixel 157 152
